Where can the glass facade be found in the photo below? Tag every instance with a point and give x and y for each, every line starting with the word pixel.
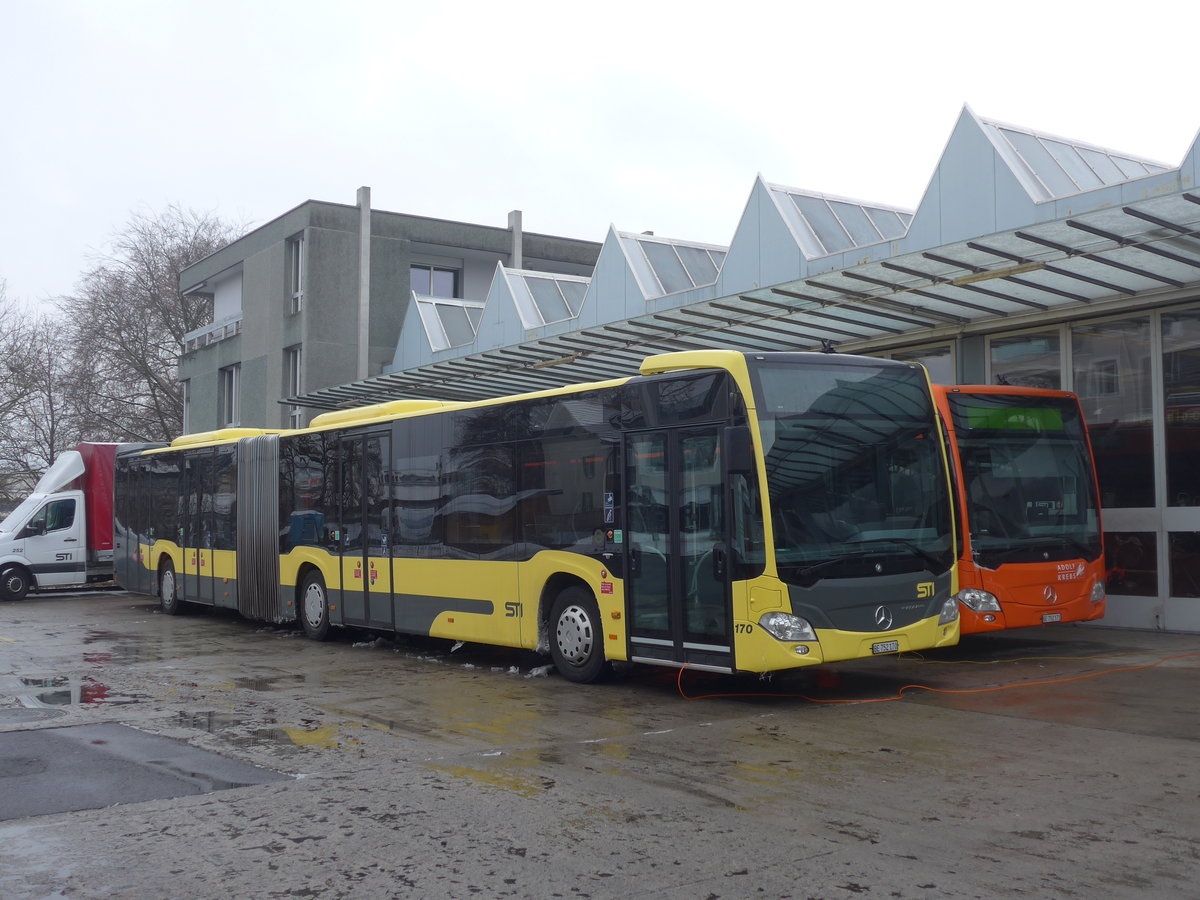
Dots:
pixel 1132 562
pixel 1181 396
pixel 1183 548
pixel 1028 360
pixel 1146 454
pixel 1112 376
pixel 938 360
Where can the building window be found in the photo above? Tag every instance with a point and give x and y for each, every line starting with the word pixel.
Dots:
pixel 435 281
pixel 1184 553
pixel 1181 396
pixel 1110 364
pixel 228 385
pixel 938 360
pixel 295 273
pixel 186 397
pixel 1028 360
pixel 1131 558
pixel 291 384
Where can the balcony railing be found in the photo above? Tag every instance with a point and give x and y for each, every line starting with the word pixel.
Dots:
pixel 212 334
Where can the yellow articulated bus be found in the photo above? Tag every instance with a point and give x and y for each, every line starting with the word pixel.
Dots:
pixel 725 511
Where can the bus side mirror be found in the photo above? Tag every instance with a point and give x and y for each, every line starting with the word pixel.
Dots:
pixel 739 450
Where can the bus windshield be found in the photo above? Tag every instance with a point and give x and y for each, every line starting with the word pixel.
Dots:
pixel 856 479
pixel 1028 478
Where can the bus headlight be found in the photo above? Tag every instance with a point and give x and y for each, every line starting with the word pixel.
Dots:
pixel 786 627
pixel 1098 592
pixel 979 601
pixel 949 611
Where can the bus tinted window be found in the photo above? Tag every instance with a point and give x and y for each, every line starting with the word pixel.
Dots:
pixel 854 471
pixel 1027 477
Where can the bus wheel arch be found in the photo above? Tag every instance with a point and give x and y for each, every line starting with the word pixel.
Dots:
pixel 312 603
pixel 575 632
pixel 168 587
pixel 15 582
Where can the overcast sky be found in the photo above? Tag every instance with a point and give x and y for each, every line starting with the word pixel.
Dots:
pixel 644 115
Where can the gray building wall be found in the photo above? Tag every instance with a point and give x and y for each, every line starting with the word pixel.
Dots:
pixel 326 326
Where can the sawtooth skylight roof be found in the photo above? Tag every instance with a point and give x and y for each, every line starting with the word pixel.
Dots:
pixel 665 266
pixel 824 225
pixel 543 299
pixel 1052 167
pixel 449 323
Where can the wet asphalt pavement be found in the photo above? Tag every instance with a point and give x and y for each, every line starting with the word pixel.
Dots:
pixel 372 767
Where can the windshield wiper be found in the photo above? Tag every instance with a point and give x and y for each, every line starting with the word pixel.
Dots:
pixel 824 564
pixel 917 549
pixel 1029 545
pixel 1072 542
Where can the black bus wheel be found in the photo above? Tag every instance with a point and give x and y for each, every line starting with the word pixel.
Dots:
pixel 576 639
pixel 314 607
pixel 14 583
pixel 168 589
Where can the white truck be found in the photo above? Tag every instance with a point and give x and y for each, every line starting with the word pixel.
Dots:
pixel 62 534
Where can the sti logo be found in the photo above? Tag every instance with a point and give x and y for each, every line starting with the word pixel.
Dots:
pixel 925 590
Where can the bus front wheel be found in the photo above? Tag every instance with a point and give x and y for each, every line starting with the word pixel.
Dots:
pixel 168 590
pixel 314 607
pixel 576 639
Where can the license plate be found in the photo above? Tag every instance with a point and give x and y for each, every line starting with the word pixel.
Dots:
pixel 885 647
pixel 1051 617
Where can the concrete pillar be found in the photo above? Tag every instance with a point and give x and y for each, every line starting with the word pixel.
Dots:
pixel 364 281
pixel 514 225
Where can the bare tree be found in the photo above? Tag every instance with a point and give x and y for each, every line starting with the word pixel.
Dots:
pixel 38 413
pixel 44 415
pixel 12 340
pixel 126 321
pixel 10 325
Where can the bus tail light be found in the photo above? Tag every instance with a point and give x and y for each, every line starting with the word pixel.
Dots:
pixel 949 611
pixel 786 627
pixel 979 601
pixel 1098 592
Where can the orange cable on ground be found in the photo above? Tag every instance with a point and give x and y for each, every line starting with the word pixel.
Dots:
pixel 921 687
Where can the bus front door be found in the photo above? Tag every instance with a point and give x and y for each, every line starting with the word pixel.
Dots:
pixel 365 542
pixel 676 555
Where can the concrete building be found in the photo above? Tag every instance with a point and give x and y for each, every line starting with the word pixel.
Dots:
pixel 316 298
pixel 1031 259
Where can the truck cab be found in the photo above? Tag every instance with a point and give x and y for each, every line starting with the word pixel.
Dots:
pixel 61 534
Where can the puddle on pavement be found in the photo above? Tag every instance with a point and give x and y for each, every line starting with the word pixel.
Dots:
pixel 69 690
pixel 322 737
pixel 125 649
pixel 268 682
pixel 207 721
pixel 29 715
pixel 121 654
pixel 507 776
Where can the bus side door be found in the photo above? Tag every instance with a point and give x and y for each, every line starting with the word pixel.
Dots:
pixel 366 544
pixel 676 554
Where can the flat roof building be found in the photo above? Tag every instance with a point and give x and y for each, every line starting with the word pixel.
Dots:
pixel 317 297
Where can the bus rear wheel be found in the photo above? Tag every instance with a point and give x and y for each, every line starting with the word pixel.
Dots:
pixel 14 583
pixel 576 639
pixel 168 590
pixel 314 607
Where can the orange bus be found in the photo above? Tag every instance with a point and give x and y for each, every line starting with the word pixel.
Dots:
pixel 1032 550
